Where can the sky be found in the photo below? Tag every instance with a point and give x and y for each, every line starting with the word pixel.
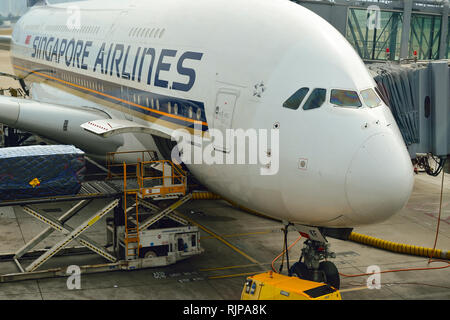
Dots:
pixel 18 7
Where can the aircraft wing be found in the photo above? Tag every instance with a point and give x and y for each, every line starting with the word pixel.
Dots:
pixel 31 115
pixel 110 127
pixel 57 122
pixel 5 42
pixel 86 127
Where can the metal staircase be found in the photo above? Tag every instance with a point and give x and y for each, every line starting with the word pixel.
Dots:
pixel 131 238
pixel 170 184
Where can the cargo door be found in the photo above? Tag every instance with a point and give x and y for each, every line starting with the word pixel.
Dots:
pixel 223 116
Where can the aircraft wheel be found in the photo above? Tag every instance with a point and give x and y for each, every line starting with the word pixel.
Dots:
pixel 150 254
pixel 331 274
pixel 300 270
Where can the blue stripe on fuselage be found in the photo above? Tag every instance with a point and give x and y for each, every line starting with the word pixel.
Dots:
pixel 113 92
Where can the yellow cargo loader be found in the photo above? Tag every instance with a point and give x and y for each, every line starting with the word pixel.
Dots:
pixel 274 286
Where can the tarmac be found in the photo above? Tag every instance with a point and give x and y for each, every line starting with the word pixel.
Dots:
pixel 5 67
pixel 220 272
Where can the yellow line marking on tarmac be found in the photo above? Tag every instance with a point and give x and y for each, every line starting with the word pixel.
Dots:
pixel 233 275
pixel 219 238
pixel 240 234
pixel 233 267
pixel 354 289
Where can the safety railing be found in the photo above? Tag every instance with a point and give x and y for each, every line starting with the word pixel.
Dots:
pixel 114 161
pixel 172 181
pixel 158 179
pixel 131 233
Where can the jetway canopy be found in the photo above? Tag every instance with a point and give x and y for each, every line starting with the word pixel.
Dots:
pixel 419 97
pixel 389 29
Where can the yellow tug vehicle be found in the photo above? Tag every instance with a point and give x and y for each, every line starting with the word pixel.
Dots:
pixel 275 286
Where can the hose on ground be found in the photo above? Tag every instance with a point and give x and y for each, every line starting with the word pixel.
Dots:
pixel 361 238
pixel 206 195
pixel 399 247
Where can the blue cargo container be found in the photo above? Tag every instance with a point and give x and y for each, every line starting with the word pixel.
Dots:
pixel 40 171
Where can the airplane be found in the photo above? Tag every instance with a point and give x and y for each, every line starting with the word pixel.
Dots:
pixel 131 73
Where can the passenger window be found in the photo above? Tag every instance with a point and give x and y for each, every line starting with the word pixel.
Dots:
pixel 296 99
pixel 345 98
pixel 370 98
pixel 316 99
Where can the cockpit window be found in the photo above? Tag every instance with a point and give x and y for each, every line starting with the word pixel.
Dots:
pixel 315 99
pixel 296 99
pixel 345 98
pixel 370 98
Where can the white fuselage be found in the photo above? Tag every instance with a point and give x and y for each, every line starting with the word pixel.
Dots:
pixel 137 60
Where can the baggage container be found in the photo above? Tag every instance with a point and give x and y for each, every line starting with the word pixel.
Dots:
pixel 40 171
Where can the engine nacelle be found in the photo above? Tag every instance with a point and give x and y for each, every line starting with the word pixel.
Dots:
pixel 58 123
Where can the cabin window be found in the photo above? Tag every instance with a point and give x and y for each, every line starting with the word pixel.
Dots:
pixel 296 99
pixel 370 98
pixel 315 99
pixel 345 98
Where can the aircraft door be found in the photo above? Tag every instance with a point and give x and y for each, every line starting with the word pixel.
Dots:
pixel 126 96
pixel 223 116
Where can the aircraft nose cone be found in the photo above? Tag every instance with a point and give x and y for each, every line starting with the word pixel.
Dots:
pixel 379 180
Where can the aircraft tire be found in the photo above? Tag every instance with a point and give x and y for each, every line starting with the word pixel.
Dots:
pixel 331 274
pixel 300 270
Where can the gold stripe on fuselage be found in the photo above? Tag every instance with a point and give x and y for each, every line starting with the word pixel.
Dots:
pixel 64 85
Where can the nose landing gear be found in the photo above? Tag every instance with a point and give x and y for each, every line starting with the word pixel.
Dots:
pixel 313 267
pixel 313 264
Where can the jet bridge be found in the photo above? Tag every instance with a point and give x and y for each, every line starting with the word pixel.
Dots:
pixel 418 94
